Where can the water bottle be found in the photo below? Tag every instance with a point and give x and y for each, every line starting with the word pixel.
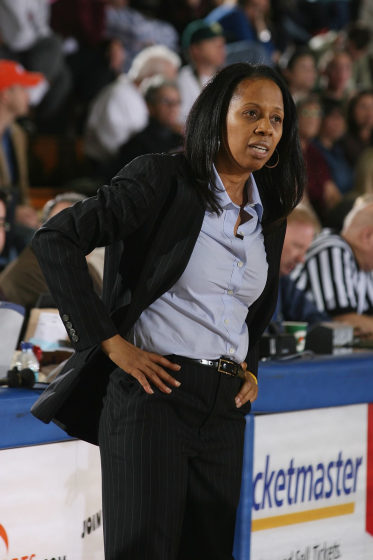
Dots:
pixel 27 359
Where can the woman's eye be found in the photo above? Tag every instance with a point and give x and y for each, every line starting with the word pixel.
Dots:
pixel 277 119
pixel 251 113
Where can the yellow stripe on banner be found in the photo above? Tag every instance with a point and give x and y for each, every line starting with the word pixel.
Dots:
pixel 301 517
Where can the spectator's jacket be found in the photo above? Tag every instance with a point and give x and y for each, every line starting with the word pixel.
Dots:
pixel 331 277
pixel 149 220
pixel 19 144
pixel 22 281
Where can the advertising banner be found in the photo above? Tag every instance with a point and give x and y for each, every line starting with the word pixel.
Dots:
pixel 50 502
pixel 309 485
pixel 307 492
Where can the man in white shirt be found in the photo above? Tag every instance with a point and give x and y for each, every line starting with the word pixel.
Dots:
pixel 119 111
pixel 204 47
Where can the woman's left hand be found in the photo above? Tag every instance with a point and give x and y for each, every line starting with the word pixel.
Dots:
pixel 249 389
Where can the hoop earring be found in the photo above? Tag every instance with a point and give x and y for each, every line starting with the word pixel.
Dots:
pixel 276 164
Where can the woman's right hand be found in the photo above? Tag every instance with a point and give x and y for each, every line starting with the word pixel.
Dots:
pixel 143 366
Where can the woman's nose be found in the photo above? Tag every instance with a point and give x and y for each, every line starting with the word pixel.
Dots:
pixel 264 127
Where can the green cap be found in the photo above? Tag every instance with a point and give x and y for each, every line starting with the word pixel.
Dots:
pixel 198 31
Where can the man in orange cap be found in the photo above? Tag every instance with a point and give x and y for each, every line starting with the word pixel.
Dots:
pixel 15 82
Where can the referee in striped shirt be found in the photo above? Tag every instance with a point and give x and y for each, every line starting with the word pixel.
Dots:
pixel 338 271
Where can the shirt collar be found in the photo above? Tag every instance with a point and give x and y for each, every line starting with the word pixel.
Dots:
pixel 225 201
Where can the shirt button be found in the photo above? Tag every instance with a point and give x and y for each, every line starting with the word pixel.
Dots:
pixel 230 292
pixel 75 338
pixel 65 318
pixel 226 321
pixel 69 325
pixel 231 350
pixel 240 264
pixel 72 331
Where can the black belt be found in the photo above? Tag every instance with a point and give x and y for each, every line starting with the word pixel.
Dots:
pixel 222 365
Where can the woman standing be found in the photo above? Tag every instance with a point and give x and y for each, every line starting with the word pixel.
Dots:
pixel 159 377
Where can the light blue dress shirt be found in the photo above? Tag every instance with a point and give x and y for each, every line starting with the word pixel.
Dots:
pixel 203 314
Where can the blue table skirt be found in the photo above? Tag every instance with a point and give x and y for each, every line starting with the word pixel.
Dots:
pixel 283 386
pixel 18 427
pixel 316 383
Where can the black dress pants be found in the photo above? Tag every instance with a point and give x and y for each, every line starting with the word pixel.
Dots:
pixel 171 466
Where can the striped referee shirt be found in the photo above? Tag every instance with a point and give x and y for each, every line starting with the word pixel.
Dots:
pixel 331 277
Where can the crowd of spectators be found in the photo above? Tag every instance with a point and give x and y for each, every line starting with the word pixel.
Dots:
pixel 121 76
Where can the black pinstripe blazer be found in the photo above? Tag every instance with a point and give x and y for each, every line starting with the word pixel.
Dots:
pixel 148 220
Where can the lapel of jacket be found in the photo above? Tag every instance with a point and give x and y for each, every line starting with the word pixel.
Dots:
pixel 170 251
pixel 262 309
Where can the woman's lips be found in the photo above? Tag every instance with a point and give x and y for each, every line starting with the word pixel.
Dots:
pixel 258 151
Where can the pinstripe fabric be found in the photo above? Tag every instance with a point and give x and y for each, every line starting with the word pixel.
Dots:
pixel 149 219
pixel 171 467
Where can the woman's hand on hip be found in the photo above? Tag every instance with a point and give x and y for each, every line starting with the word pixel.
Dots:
pixel 249 389
pixel 143 366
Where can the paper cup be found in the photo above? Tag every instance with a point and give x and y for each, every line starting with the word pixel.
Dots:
pixel 299 330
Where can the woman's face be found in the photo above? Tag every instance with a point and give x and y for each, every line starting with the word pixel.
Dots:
pixel 254 124
pixel 309 119
pixel 339 71
pixel 363 113
pixel 166 106
pixel 303 75
pixel 333 126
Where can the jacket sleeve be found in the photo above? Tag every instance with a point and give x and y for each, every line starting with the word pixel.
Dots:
pixel 63 242
pixel 252 360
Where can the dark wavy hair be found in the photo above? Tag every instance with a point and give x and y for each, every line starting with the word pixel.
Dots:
pixel 281 188
pixel 352 125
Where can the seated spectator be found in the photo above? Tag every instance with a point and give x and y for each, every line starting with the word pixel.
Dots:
pixel 333 127
pixel 364 173
pixel 289 20
pixel 322 191
pixel 183 12
pixel 4 225
pixel 319 16
pixel 119 111
pixel 22 280
pixel 359 126
pixel 357 45
pixel 14 103
pixel 163 100
pixel 365 14
pixel 27 38
pixel 4 228
pixel 300 73
pixel 93 60
pixel 204 47
pixel 246 21
pixel 135 31
pixel 363 184
pixel 336 69
pixel 292 303
pixel 337 274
